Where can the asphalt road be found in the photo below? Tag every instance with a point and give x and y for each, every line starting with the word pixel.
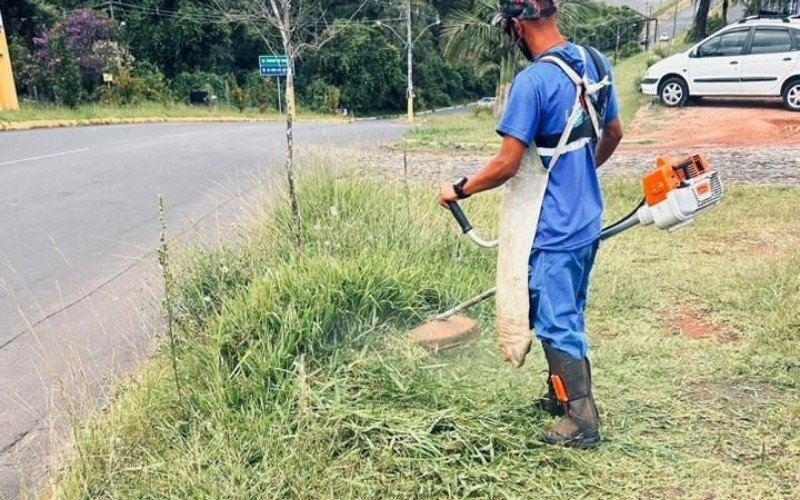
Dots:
pixel 78 226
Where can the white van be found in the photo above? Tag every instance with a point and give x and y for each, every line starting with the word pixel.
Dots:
pixel 757 56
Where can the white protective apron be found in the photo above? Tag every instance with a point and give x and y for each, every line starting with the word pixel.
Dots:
pixel 519 218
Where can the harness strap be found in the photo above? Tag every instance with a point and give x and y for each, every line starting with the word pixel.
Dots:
pixel 574 138
pixel 584 130
pixel 568 148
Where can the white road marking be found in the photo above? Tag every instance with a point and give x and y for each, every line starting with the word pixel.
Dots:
pixel 196 132
pixel 44 156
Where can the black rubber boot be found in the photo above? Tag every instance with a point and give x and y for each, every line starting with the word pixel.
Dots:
pixel 580 427
pixel 548 402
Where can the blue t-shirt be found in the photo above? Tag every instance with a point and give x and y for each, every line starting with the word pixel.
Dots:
pixel 539 104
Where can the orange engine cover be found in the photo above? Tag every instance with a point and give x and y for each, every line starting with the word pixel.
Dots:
pixel 669 175
pixel 660 181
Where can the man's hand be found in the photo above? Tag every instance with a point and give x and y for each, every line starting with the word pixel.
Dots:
pixel 447 193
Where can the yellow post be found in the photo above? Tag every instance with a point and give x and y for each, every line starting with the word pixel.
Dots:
pixel 8 92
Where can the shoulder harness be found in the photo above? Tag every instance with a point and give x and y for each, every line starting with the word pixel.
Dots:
pixel 589 97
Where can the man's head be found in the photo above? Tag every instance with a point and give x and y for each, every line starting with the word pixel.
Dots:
pixel 532 24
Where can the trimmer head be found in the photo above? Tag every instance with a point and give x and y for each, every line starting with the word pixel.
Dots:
pixel 442 334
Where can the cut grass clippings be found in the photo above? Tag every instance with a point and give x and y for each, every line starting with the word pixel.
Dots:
pixel 299 380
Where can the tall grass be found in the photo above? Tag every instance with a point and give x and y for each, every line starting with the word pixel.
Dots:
pixel 300 381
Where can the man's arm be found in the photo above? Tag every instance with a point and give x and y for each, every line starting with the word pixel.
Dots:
pixel 495 173
pixel 612 135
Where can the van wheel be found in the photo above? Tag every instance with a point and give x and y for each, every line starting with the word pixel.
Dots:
pixel 791 95
pixel 673 92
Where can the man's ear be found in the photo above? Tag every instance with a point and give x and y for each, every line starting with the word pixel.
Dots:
pixel 518 28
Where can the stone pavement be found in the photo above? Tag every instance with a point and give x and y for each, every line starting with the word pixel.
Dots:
pixel 777 166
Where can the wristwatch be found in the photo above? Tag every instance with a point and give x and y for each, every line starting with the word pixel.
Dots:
pixel 458 187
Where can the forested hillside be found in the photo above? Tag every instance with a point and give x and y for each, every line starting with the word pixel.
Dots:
pixel 160 50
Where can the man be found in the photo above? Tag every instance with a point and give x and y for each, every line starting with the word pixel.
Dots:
pixel 544 100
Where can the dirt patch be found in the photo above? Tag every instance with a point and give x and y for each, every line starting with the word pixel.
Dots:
pixel 720 123
pixel 753 393
pixel 693 323
pixel 762 250
pixel 789 128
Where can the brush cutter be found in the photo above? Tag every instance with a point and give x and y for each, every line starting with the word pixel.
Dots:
pixel 674 194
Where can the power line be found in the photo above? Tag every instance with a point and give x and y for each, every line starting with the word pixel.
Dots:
pixel 212 17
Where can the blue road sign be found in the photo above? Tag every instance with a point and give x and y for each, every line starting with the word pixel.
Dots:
pixel 272 65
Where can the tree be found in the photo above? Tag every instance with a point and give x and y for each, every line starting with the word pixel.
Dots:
pixel 700 29
pixel 364 64
pixel 81 48
pixel 470 38
pixel 298 32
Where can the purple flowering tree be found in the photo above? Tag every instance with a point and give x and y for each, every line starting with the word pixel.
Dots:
pixel 81 31
pixel 70 58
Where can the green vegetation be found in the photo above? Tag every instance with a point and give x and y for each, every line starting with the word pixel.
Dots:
pixel 476 133
pixel 453 134
pixel 627 75
pixel 298 380
pixel 161 50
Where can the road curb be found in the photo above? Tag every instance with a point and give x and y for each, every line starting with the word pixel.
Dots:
pixel 7 126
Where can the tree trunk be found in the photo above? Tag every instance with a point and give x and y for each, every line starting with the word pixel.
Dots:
pixel 504 85
pixel 296 220
pixel 288 50
pixel 701 19
pixel 725 12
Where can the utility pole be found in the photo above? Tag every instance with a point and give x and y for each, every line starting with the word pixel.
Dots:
pixel 675 21
pixel 409 54
pixel 409 43
pixel 8 92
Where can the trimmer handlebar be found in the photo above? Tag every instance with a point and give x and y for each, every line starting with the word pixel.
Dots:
pixel 618 227
pixel 459 216
pixel 467 228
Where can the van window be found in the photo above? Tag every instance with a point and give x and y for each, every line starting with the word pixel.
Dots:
pixel 771 40
pixel 726 44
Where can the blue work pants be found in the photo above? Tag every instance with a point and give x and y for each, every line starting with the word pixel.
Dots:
pixel 558 285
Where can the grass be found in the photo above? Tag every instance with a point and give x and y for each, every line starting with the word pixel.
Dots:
pixel 627 74
pixel 299 380
pixel 37 115
pixel 476 132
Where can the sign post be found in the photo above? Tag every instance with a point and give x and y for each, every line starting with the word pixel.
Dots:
pixel 270 66
pixel 280 111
